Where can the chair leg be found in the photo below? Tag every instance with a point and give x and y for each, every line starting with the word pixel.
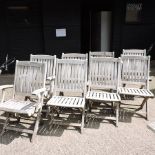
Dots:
pixel 5 124
pixel 117 114
pixel 82 122
pixel 147 118
pixel 36 126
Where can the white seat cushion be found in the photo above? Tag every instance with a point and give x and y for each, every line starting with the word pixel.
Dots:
pixel 63 101
pixel 135 92
pixel 21 107
pixel 103 96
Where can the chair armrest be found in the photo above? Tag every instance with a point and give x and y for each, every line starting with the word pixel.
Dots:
pixel 3 87
pixel 39 91
pixel 50 78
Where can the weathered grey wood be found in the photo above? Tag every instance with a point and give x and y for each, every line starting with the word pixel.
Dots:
pixel 50 64
pixel 134 52
pixel 135 70
pixel 74 56
pixel 101 54
pixel 49 60
pixel 71 76
pixel 104 74
pixel 29 76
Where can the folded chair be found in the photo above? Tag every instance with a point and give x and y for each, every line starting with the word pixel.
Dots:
pixel 51 64
pixel 135 79
pixel 71 78
pixel 74 56
pixel 104 75
pixel 29 80
pixel 101 54
pixel 134 52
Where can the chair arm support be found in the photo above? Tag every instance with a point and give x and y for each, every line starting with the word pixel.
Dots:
pixel 50 78
pixel 39 93
pixel 3 88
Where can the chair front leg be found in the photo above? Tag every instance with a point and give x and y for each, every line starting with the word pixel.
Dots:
pixel 82 121
pixel 117 114
pixel 5 124
pixel 36 125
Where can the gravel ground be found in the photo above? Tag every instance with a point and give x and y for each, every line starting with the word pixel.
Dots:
pixel 132 136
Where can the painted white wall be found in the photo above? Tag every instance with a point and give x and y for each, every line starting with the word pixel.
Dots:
pixel 105 30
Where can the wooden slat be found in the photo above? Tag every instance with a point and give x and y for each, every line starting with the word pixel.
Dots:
pixel 102 96
pixel 101 54
pixel 22 107
pixel 63 101
pixel 74 56
pixel 49 60
pixel 135 92
pixel 104 73
pixel 134 52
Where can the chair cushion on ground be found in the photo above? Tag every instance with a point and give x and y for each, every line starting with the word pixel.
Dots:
pixel 63 101
pixel 103 96
pixel 135 92
pixel 21 107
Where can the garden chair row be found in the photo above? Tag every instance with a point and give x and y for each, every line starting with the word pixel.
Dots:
pixel 134 70
pixel 70 77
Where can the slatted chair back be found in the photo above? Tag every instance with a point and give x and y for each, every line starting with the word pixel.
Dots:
pixel 49 60
pixel 74 56
pixel 29 76
pixel 71 76
pixel 134 52
pixel 101 54
pixel 135 70
pixel 104 73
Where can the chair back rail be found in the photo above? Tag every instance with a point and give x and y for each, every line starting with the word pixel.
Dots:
pixel 104 73
pixel 74 56
pixel 71 76
pixel 135 70
pixel 29 76
pixel 134 52
pixel 49 60
pixel 101 54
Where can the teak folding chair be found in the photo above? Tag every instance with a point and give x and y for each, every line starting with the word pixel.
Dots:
pixel 134 52
pixel 74 56
pixel 51 65
pixel 29 80
pixel 104 75
pixel 101 54
pixel 135 71
pixel 71 78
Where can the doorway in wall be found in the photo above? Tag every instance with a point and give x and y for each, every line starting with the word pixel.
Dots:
pixel 96 31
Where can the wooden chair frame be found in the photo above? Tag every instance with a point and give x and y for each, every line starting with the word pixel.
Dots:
pixel 51 65
pixel 71 78
pixel 104 74
pixel 29 80
pixel 135 71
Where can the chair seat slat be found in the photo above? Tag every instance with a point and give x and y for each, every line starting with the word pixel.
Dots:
pixel 135 92
pixel 103 96
pixel 74 102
